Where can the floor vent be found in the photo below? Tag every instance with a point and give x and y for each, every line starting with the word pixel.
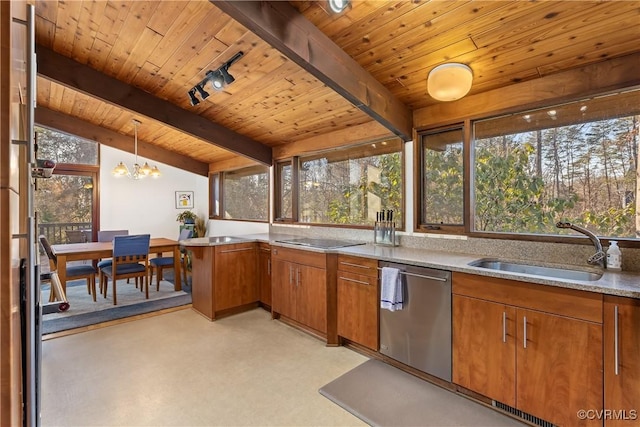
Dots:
pixel 520 414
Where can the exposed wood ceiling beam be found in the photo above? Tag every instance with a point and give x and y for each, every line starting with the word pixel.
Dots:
pixel 60 121
pixel 67 72
pixel 284 28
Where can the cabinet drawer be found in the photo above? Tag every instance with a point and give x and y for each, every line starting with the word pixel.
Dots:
pixel 561 301
pixel 358 265
pixel 298 256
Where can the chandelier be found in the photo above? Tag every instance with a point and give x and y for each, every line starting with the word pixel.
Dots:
pixel 139 172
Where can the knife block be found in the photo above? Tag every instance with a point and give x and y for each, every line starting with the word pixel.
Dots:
pixel 384 233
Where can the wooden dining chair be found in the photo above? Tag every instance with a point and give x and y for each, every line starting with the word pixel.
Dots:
pixel 130 260
pixel 160 263
pixel 85 271
pixel 76 236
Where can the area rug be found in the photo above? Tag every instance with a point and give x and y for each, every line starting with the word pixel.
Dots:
pixel 382 395
pixel 83 311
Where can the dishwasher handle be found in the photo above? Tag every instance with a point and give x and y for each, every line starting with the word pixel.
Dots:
pixel 422 276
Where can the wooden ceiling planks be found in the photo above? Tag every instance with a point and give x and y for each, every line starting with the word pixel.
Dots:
pixel 385 41
pixel 164 48
pixel 119 120
pixel 281 26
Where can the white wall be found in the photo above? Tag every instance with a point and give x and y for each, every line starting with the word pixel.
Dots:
pixel 147 205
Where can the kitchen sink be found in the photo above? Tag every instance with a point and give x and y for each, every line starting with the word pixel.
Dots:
pixel 535 270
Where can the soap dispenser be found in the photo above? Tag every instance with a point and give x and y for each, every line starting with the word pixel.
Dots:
pixel 614 257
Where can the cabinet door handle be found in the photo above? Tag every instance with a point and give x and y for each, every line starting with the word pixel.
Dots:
pixel 616 343
pixel 290 274
pixel 354 281
pixel 297 277
pixel 350 264
pixel 265 249
pixel 504 326
pixel 268 267
pixel 236 250
pixel 525 331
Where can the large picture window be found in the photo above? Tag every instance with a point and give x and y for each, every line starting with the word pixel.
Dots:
pixel 576 162
pixel 349 186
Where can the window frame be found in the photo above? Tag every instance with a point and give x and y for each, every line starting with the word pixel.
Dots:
pixel 295 162
pixel 216 184
pixel 418 149
pixel 468 145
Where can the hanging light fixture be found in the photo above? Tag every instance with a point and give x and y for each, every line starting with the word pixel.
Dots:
pixel 449 82
pixel 139 172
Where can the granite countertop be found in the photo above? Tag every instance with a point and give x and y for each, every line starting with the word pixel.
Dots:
pixel 625 284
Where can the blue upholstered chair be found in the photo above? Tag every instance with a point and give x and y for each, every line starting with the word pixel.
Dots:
pixel 130 260
pixel 85 271
pixel 160 263
pixel 107 236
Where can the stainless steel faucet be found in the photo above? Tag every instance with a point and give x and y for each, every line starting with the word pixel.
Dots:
pixel 599 257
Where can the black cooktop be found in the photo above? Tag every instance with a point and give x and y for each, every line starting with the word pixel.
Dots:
pixel 321 243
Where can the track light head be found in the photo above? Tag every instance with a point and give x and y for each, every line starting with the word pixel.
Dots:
pixel 216 79
pixel 203 93
pixel 193 100
pixel 228 78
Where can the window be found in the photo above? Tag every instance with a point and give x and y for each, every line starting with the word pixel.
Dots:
pixel 67 202
pixel 242 194
pixel 442 172
pixel 349 186
pixel 284 191
pixel 575 162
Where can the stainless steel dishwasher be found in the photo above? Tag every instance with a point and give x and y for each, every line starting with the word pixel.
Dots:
pixel 419 335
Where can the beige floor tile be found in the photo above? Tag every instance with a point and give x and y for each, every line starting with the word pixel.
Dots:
pixel 179 369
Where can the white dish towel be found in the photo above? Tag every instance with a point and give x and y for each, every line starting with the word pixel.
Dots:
pixel 391 296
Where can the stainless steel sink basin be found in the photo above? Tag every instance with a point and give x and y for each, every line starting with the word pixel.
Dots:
pixel 558 273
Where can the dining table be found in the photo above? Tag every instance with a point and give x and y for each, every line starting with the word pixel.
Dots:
pixel 97 250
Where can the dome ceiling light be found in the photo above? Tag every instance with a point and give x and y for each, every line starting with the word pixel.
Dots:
pixel 449 82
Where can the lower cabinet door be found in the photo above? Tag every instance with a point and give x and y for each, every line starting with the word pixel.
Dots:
pixel 622 360
pixel 311 297
pixel 484 348
pixel 559 367
pixel 283 288
pixel 358 310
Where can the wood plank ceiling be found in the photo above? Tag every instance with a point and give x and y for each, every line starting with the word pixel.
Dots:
pixel 163 48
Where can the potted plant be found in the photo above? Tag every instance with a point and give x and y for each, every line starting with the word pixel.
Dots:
pixel 187 217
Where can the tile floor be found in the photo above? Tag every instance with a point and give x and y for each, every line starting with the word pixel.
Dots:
pixel 179 369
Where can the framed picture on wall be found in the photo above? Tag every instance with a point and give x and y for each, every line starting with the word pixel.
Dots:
pixel 184 199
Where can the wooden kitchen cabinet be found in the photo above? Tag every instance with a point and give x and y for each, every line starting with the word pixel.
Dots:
pixel 301 290
pixel 264 274
pixel 224 278
pixel 622 359
pixel 484 348
pixel 235 276
pixel 358 300
pixel 535 348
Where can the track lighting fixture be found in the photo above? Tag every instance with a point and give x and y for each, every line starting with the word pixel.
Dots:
pixel 338 6
pixel 219 79
pixel 193 101
pixel 203 93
